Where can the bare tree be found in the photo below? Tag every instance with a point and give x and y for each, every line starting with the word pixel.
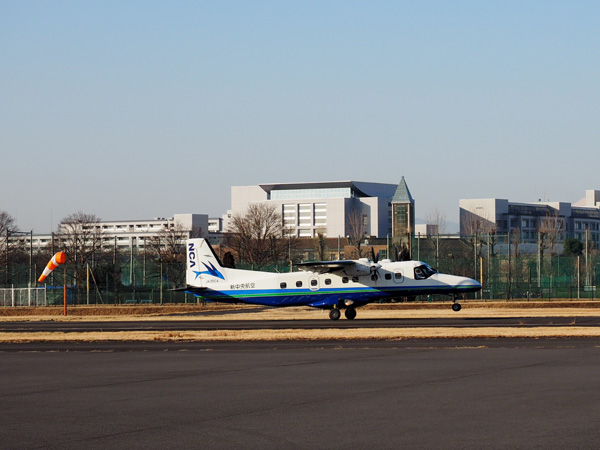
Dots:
pixel 357 229
pixel 515 272
pixel 437 218
pixel 9 249
pixel 477 231
pixel 168 248
pixel 80 234
pixel 474 225
pixel 515 242
pixel 550 229
pixel 258 235
pixel 550 232
pixel 81 237
pixel 7 223
pixel 320 245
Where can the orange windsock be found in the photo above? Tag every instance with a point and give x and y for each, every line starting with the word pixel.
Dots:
pixel 57 259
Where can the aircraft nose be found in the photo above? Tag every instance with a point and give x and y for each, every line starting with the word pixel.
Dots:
pixel 470 283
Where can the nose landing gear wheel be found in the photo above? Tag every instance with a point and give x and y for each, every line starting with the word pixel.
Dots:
pixel 334 314
pixel 350 313
pixel 456 307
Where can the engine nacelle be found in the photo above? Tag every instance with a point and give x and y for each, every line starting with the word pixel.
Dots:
pixel 361 269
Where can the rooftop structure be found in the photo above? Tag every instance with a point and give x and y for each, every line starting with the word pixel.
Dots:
pixel 403 212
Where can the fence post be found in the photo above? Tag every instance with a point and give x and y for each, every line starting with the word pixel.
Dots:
pixel 578 278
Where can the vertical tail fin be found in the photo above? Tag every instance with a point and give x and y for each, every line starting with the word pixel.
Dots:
pixel 202 263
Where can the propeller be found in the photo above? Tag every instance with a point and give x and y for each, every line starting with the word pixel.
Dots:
pixel 375 271
pixel 374 257
pixel 375 266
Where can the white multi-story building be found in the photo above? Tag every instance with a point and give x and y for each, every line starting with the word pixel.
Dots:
pixel 128 233
pixel 138 232
pixel 328 207
pixel 569 220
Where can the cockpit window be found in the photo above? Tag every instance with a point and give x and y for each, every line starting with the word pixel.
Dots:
pixel 423 272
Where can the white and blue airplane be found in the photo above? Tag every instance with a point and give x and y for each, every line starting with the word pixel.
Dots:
pixel 333 285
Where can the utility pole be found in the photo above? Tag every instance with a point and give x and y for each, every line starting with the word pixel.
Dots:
pixel 475 257
pixel 29 281
pixel 6 259
pixel 387 247
pixel 587 271
pixel 437 250
pixel 539 260
pixel 509 270
pixel 487 275
pixel 578 277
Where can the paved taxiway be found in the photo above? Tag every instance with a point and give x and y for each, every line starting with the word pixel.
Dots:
pixel 166 325
pixel 412 394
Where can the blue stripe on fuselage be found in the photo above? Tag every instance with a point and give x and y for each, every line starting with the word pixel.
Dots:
pixel 324 297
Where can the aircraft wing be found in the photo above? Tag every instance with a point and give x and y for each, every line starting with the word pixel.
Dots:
pixel 325 266
pixel 190 289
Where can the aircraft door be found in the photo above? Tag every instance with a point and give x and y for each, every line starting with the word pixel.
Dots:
pixel 398 276
pixel 314 283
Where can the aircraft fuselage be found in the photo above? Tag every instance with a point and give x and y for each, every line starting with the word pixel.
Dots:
pixel 392 280
pixel 331 285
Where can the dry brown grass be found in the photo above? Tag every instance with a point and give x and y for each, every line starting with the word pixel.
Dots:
pixel 118 310
pixel 373 311
pixel 304 335
pixel 289 315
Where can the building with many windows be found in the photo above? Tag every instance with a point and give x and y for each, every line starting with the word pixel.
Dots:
pixel 565 219
pixel 125 233
pixel 334 208
pixel 137 232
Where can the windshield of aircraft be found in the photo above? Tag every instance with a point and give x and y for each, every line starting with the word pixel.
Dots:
pixel 423 272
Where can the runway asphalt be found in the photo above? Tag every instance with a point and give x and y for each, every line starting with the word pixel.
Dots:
pixel 434 394
pixel 588 321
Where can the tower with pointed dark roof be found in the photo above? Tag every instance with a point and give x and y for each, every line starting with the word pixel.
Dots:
pixel 403 215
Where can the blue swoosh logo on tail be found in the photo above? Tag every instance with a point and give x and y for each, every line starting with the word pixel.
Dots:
pixel 210 270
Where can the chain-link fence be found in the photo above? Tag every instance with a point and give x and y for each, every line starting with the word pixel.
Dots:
pixel 34 296
pixel 134 280
pixel 509 269
pixel 506 268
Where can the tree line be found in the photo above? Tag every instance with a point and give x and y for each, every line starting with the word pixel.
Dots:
pixel 90 253
pixel 258 238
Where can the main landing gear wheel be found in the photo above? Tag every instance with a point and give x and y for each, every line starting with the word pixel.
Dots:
pixel 456 307
pixel 350 313
pixel 334 314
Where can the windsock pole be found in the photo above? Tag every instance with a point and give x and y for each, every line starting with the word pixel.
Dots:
pixel 58 259
pixel 65 291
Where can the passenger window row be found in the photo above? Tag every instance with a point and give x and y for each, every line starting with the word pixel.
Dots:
pixel 313 282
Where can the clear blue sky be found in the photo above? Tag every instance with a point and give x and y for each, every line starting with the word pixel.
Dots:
pixel 133 110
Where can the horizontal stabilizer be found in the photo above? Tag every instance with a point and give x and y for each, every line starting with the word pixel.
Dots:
pixel 187 289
